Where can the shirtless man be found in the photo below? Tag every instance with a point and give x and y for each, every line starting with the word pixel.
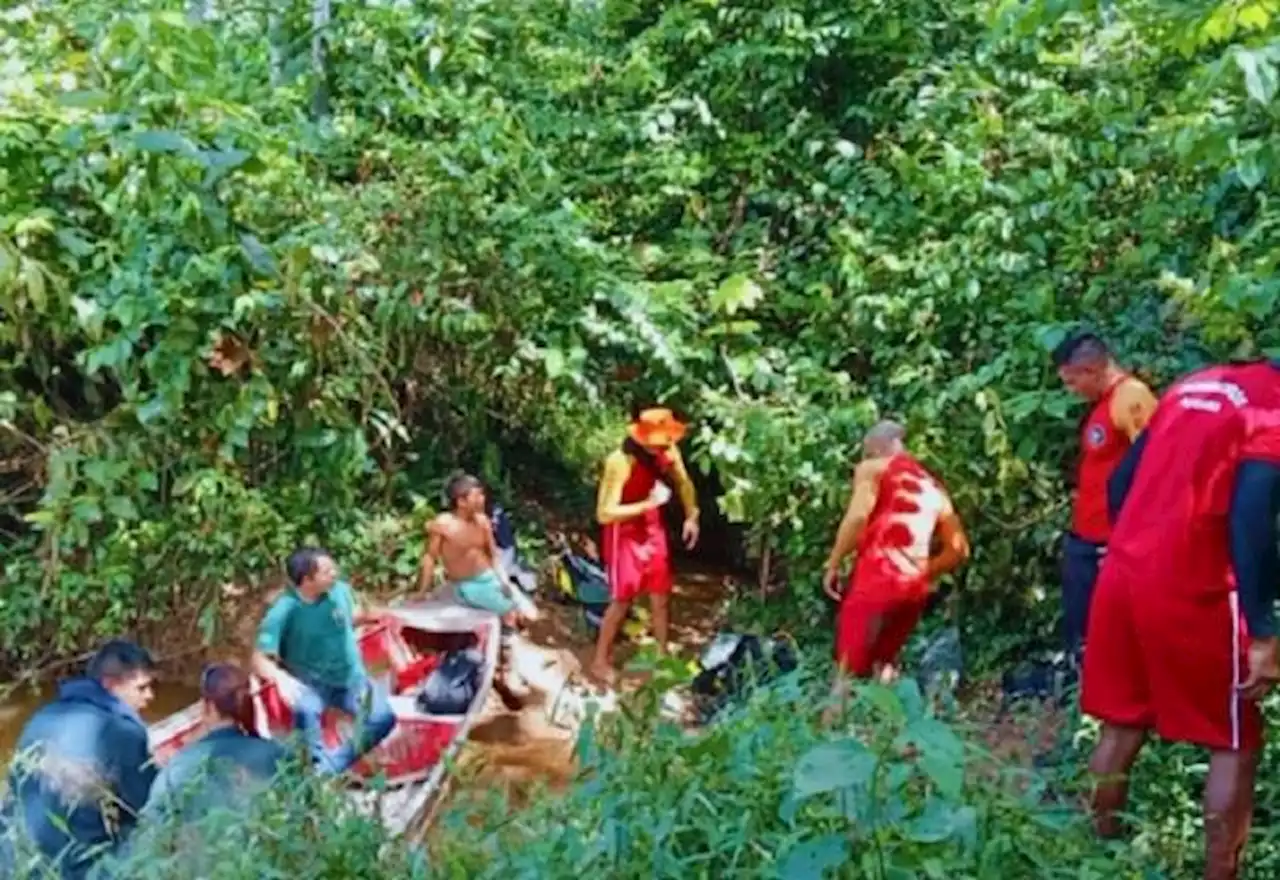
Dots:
pixel 462 538
pixel 897 514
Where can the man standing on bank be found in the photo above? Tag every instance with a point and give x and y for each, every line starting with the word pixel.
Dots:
pixel 628 506
pixel 1122 405
pixel 1182 633
pixel 906 534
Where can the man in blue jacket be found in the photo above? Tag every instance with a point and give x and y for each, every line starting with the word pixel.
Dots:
pixel 82 768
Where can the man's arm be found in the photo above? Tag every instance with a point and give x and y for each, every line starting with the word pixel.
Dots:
pixel 866 487
pixel 266 654
pixel 684 486
pixel 1131 408
pixel 435 545
pixel 609 506
pixel 1255 505
pixel 1121 479
pixel 954 543
pixel 136 771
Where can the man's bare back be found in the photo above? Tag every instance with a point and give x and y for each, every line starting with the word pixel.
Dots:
pixel 465 546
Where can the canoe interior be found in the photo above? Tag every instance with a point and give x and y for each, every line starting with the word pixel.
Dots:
pixel 401 655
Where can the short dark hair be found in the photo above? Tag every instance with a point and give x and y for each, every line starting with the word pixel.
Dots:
pixel 303 561
pixel 1080 348
pixel 119 658
pixel 459 486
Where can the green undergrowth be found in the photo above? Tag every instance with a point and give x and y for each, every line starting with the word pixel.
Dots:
pixel 896 788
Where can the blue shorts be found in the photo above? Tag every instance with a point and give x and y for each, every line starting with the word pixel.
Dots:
pixel 485 591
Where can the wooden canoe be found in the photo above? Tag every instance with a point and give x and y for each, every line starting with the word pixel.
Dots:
pixel 401 653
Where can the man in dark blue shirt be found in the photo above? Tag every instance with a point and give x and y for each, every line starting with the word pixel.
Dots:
pixel 82 768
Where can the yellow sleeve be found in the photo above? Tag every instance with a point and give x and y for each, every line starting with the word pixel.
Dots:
pixel 1131 407
pixel 684 485
pixel 617 468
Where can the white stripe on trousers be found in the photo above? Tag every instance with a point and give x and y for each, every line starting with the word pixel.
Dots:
pixel 1235 671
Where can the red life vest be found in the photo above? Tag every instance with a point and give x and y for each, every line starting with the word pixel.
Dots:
pixel 893 551
pixel 1102 447
pixel 646 530
pixel 644 476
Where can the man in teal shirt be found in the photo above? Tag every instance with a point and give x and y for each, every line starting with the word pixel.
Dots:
pixel 307 645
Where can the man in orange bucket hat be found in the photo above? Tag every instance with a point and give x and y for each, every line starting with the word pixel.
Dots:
pixel 637 482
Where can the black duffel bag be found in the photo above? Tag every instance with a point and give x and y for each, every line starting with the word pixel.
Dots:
pixel 452 686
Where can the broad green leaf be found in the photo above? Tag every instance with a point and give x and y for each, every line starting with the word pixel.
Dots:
pixel 121 507
pixel 554 361
pixel 259 257
pixel 84 99
pixel 152 410
pixel 162 142
pixel 942 821
pixel 1260 76
pixel 812 859
pixel 737 292
pixel 844 764
pixel 76 245
pixel 941 753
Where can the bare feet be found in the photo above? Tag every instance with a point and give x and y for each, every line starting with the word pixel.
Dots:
pixel 603 673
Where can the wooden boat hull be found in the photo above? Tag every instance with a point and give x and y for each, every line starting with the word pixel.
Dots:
pixel 414 758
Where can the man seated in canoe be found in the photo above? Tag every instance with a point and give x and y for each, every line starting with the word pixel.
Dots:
pixel 221 770
pixel 307 646
pixel 82 767
pixel 462 539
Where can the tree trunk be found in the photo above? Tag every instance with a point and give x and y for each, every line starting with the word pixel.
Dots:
pixel 320 15
pixel 275 47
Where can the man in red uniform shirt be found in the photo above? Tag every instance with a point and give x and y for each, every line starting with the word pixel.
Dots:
pixel 1182 633
pixel 1122 405
pixel 633 489
pixel 897 514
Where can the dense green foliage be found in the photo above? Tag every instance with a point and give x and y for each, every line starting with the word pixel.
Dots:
pixel 265 276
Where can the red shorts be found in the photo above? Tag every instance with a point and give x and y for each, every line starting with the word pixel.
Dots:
pixel 637 559
pixel 873 628
pixel 1172 663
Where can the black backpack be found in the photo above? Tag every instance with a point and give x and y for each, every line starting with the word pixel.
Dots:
pixel 452 686
pixel 733 665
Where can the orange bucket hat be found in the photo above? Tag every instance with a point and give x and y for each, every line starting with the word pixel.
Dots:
pixel 656 427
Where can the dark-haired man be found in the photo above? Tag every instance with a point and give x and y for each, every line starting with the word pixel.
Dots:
pixel 307 645
pixel 1121 407
pixel 1182 632
pixel 82 767
pixel 462 538
pixel 634 487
